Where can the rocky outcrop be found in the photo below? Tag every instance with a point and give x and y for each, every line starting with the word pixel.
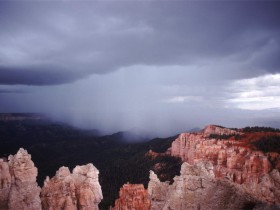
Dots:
pixel 157 191
pixel 197 188
pixel 18 187
pixel 79 190
pixel 218 130
pixel 132 196
pixel 232 159
pixel 193 147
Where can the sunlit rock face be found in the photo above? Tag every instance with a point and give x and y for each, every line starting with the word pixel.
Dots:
pixel 18 186
pixel 19 189
pixel 197 188
pixel 132 196
pixel 192 147
pixel 72 191
pixel 234 160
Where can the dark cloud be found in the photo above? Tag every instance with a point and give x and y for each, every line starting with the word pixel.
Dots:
pixel 99 37
pixel 164 66
pixel 45 75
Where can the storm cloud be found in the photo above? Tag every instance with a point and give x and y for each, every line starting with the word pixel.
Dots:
pixel 65 41
pixel 119 64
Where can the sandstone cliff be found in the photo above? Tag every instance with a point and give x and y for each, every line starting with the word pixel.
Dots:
pixel 132 196
pixel 232 159
pixel 79 190
pixel 18 187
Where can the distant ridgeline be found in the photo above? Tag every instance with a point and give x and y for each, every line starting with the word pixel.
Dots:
pixel 20 116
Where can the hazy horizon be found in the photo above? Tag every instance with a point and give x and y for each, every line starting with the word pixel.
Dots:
pixel 160 66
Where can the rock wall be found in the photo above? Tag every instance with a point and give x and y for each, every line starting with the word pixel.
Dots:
pixel 18 187
pixel 79 190
pixel 193 147
pixel 197 188
pixel 232 160
pixel 157 191
pixel 132 196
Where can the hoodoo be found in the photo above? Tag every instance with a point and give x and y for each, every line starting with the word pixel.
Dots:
pixel 19 189
pixel 18 186
pixel 79 190
pixel 133 196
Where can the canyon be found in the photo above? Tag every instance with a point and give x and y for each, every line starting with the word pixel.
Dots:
pixel 222 169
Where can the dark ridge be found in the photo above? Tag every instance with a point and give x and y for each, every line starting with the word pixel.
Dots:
pixel 160 145
pixel 260 129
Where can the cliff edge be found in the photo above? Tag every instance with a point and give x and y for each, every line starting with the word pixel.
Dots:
pixel 233 158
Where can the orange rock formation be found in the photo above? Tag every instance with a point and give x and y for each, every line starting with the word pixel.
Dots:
pixel 65 191
pixel 132 196
pixel 232 159
pixel 79 190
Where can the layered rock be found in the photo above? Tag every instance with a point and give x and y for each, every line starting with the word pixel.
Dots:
pixel 231 159
pixel 18 187
pixel 79 190
pixel 197 188
pixel 193 147
pixel 132 196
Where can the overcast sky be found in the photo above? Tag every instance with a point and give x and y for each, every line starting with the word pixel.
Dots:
pixel 160 66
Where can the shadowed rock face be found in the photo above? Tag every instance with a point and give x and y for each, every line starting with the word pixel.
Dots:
pixel 231 159
pixel 79 190
pixel 18 186
pixel 197 188
pixel 132 196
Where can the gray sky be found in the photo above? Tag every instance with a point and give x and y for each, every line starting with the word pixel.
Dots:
pixel 160 66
